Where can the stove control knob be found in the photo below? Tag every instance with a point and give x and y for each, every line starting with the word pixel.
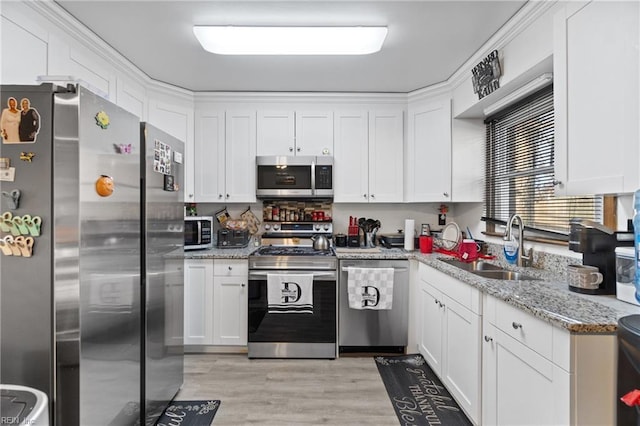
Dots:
pixel 267 226
pixel 326 227
pixel 276 227
pixel 317 227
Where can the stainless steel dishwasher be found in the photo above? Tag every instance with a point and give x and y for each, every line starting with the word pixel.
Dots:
pixel 374 330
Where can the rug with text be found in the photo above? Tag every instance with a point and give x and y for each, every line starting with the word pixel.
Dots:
pixel 189 413
pixel 417 394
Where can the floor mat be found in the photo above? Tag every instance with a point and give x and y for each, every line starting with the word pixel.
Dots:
pixel 189 413
pixel 417 394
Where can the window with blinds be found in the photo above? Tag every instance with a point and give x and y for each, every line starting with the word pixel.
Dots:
pixel 519 169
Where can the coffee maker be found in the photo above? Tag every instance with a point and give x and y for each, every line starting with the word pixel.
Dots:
pixel 597 243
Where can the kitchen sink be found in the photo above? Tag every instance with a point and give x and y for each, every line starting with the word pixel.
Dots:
pixel 488 270
pixel 477 265
pixel 504 274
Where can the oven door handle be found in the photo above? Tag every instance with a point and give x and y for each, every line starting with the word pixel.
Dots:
pixel 346 269
pixel 328 274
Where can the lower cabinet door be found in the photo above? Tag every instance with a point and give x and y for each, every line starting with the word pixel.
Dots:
pixel 198 302
pixel 461 366
pixel 520 387
pixel 230 310
pixel 430 338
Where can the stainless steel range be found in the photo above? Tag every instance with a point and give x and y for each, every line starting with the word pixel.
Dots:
pixel 293 294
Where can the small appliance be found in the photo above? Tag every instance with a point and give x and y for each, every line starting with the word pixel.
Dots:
pixel 597 243
pixel 294 177
pixel 198 232
pixel 233 238
pixel 625 275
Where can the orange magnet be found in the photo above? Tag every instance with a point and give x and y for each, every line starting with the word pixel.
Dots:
pixel 104 186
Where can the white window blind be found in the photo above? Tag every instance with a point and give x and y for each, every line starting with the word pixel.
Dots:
pixel 519 169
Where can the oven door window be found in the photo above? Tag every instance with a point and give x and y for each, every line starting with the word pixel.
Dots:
pixel 317 327
pixel 291 177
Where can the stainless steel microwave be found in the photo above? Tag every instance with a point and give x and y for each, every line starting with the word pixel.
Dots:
pixel 198 232
pixel 294 177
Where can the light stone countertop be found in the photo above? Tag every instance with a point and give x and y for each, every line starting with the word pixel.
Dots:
pixel 548 298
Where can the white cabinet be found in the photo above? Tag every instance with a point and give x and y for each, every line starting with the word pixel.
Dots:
pixel 429 151
pixel 535 373
pixel 596 88
pixel 295 133
pixel 198 302
pixel 449 339
pixel 215 301
pixel 225 154
pixel 369 156
pixel 230 302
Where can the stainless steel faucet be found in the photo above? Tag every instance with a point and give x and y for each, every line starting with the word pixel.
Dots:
pixel 523 259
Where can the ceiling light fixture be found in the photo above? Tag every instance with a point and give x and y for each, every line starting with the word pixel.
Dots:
pixel 232 40
pixel 520 93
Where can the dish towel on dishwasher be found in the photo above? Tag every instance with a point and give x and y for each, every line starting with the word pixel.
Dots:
pixel 370 288
pixel 290 293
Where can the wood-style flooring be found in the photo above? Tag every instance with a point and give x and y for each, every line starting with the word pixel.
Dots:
pixel 345 391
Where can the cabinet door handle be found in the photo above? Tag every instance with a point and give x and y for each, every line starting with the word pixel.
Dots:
pixel 227 195
pixel 230 268
pixel 190 195
pixel 436 301
pixel 373 196
pixel 446 194
pixel 242 285
pixel 290 149
pixel 364 195
pixel 488 339
pixel 219 195
pixel 557 182
pixel 298 149
pixel 516 325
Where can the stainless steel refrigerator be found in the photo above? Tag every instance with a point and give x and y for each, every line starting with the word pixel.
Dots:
pixel 78 315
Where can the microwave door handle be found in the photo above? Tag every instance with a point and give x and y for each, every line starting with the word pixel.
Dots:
pixel 313 177
pixel 199 232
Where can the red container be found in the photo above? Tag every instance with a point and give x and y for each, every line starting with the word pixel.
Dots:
pixel 468 250
pixel 426 244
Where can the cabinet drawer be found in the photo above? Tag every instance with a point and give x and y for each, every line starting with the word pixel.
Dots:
pixel 464 294
pixel 230 268
pixel 532 332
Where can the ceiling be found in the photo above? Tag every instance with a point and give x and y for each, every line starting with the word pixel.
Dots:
pixel 426 43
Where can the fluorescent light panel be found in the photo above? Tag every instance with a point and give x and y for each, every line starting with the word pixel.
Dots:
pixel 520 93
pixel 232 40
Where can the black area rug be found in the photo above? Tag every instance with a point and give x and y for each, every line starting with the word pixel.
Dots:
pixel 417 394
pixel 189 413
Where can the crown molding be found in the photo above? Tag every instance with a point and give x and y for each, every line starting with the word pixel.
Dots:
pixel 68 24
pixel 527 15
pixel 430 92
pixel 315 97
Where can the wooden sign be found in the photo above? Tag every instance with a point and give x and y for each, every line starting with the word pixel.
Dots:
pixel 486 75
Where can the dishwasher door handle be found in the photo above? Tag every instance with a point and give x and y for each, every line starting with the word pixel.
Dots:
pixel 394 269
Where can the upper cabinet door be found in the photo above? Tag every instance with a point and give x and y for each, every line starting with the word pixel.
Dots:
pixel 314 133
pixel 429 152
pixel 351 158
pixel 240 147
pixel 276 133
pixel 209 157
pixel 386 156
pixel 596 98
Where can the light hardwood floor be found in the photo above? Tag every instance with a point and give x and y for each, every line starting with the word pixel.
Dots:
pixel 345 391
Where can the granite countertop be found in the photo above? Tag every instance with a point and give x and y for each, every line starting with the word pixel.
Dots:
pixel 221 253
pixel 547 298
